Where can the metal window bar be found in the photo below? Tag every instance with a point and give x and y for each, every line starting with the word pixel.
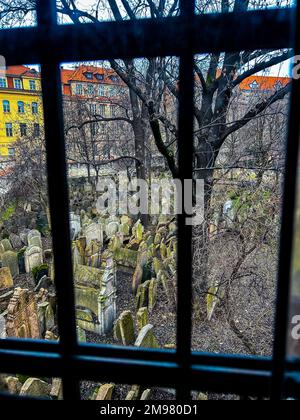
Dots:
pixel 182 36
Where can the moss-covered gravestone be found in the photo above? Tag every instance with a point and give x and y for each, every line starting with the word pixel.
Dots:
pixel 6 280
pixel 10 259
pixel 146 338
pixel 142 318
pixel 6 245
pixel 105 392
pixel 124 329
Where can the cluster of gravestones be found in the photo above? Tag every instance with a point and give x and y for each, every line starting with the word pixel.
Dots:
pixel 26 313
pixel 32 387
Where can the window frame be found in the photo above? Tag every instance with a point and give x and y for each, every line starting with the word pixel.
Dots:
pixel 184 37
pixel 9 130
pixel 6 106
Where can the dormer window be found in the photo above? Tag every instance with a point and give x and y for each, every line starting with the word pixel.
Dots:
pixel 89 75
pixel 114 78
pixel 99 76
pixel 254 85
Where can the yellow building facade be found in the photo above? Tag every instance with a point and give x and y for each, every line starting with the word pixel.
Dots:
pixel 21 111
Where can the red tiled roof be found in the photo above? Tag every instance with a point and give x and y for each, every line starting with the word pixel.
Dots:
pixel 19 71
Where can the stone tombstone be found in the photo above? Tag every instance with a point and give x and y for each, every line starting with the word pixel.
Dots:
pixel 146 338
pixel 15 240
pixel 93 254
pixel 75 225
pixel 105 392
pixel 146 395
pixel 2 327
pixel 124 328
pixel 96 292
pixel 2 250
pixel 33 258
pixel 142 318
pixel 35 387
pixel 22 315
pixel 6 245
pixel 94 231
pixel 111 229
pixel 10 259
pixel 24 236
pixel 35 241
pixel 6 280
pixel 32 233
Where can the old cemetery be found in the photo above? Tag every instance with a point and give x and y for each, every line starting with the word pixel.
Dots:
pixel 125 289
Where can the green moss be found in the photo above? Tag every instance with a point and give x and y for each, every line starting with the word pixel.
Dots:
pixel 8 213
pixel 40 271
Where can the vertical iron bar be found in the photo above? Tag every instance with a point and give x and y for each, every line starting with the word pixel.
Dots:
pixel 58 196
pixel 185 164
pixel 287 233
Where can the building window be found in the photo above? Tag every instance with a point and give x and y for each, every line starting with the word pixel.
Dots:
pixel 99 76
pixel 113 111
pixel 36 130
pixel 113 91
pixel 102 110
pixel 35 108
pixel 9 129
pixel 23 129
pixel 90 90
pixel 11 151
pixel 3 83
pixel 89 75
pixel 6 107
pixel 18 83
pixel 32 84
pixel 78 89
pixel 21 107
pixel 93 109
pixel 114 79
pixel 101 90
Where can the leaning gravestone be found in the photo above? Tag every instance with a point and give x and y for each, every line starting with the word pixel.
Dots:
pixel 6 245
pixel 124 328
pixel 34 387
pixel 24 236
pixel 146 338
pixel 111 229
pixel 10 259
pixel 15 240
pixel 94 231
pixel 33 258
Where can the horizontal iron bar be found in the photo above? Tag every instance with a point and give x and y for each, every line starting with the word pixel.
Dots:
pixel 268 29
pixel 205 378
pixel 118 352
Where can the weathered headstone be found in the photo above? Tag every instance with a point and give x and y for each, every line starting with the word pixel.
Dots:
pixel 105 392
pixel 152 294
pixel 6 279
pixel 56 389
pixel 124 328
pixel 15 240
pixel 142 318
pixel 34 387
pixel 141 299
pixel 6 245
pixel 111 229
pixel 35 241
pixel 22 316
pixel 146 394
pixel 33 258
pixel 146 338
pixel 94 231
pixel 10 259
pixel 33 233
pixel 14 386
